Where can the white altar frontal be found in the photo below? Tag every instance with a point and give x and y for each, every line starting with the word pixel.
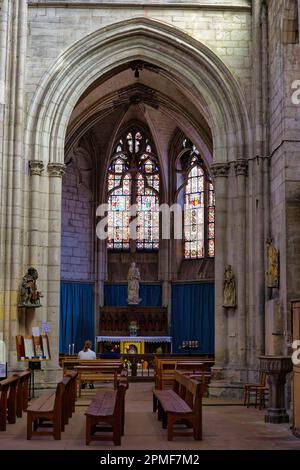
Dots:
pixel 137 341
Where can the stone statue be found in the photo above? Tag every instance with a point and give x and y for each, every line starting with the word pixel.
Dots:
pixel 133 279
pixel 229 288
pixel 273 265
pixel 29 295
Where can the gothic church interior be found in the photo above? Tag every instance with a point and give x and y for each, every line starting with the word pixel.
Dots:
pixel 149 204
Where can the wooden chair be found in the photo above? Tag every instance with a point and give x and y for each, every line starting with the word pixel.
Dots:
pixel 259 390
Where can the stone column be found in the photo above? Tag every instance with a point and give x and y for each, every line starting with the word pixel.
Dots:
pixel 241 171
pixel 56 171
pixel 220 173
pixel 14 34
pixel 36 168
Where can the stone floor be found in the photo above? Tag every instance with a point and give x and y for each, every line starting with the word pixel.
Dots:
pixel 225 426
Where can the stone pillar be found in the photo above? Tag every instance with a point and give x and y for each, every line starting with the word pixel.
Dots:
pixel 220 173
pixel 36 169
pixel 56 171
pixel 241 171
pixel 12 64
pixel 32 317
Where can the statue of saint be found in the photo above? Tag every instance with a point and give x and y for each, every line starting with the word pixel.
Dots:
pixel 29 295
pixel 133 279
pixel 229 288
pixel 273 265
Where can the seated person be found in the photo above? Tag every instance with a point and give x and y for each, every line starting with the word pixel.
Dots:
pixel 87 353
pixel 109 353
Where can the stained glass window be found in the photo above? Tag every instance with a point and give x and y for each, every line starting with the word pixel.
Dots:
pixel 199 204
pixel 133 178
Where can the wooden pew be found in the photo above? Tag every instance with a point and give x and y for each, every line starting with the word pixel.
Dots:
pixel 165 369
pixel 72 363
pixel 182 404
pixel 23 391
pixel 73 374
pixel 47 408
pixel 107 408
pixel 8 401
pixel 97 373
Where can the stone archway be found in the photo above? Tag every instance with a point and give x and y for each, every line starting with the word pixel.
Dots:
pixel 204 77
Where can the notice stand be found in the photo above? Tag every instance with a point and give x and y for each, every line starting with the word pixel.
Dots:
pixel 34 350
pixel 33 364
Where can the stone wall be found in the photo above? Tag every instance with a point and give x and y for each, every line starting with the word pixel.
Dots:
pixel 77 242
pixel 53 28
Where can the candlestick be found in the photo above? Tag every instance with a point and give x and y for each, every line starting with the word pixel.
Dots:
pixel 73 346
pixel 69 349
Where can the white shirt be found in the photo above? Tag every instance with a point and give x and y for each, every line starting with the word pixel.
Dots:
pixel 89 354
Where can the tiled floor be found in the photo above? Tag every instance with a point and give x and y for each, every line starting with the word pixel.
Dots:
pixel 224 427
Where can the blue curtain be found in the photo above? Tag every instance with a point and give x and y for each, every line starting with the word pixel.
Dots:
pixel 193 312
pixel 76 315
pixel 115 295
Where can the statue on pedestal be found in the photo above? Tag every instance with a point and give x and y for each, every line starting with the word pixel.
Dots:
pixel 229 288
pixel 273 265
pixel 29 294
pixel 133 279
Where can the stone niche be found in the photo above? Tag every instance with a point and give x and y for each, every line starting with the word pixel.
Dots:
pixel 274 328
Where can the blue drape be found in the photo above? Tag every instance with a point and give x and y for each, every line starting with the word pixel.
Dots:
pixel 193 316
pixel 116 295
pixel 76 315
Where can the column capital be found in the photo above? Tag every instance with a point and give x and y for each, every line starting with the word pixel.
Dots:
pixel 220 169
pixel 56 169
pixel 241 167
pixel 36 167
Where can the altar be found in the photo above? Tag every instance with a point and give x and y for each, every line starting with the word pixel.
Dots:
pixel 135 344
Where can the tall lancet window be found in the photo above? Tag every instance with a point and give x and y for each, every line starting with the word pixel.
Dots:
pixel 199 203
pixel 133 180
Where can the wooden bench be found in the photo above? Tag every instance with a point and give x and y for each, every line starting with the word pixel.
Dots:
pixel 166 368
pixel 8 401
pixel 97 373
pixel 47 408
pixel 23 391
pixel 73 386
pixel 72 363
pixel 182 404
pixel 106 414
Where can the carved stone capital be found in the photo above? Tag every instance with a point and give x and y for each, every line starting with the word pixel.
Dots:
pixel 36 167
pixel 220 169
pixel 241 167
pixel 56 169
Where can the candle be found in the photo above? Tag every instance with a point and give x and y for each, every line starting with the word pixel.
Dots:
pixel 73 345
pixel 69 349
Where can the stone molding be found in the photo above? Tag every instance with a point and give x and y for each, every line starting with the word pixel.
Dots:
pixel 241 167
pixel 56 169
pixel 36 167
pixel 241 5
pixel 220 169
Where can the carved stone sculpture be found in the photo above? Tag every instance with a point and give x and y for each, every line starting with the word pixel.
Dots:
pixel 273 265
pixel 133 279
pixel 229 288
pixel 29 294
